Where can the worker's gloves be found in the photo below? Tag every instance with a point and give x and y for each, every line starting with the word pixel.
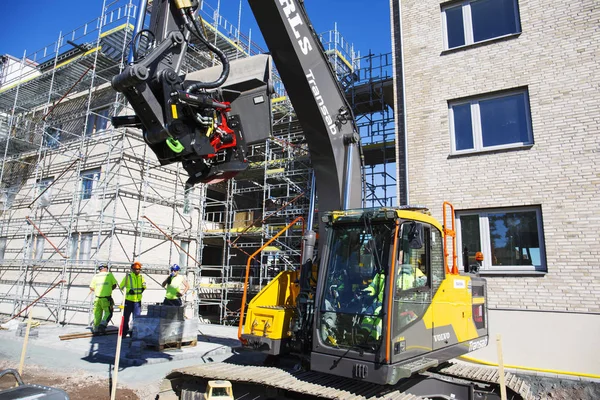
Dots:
pixel 131 291
pixel 334 292
pixel 179 294
pixel 369 291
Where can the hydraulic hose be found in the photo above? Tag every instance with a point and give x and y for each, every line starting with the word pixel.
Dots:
pixel 222 57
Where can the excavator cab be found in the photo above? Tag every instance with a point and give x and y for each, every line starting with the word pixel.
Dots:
pixel 387 306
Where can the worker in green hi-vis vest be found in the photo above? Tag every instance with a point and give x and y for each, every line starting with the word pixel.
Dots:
pixel 134 285
pixel 103 283
pixel 176 286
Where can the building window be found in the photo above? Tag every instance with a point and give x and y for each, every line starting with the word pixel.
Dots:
pixel 40 243
pixel 474 21
pixel 2 248
pixel 187 205
pixel 44 191
pixel 98 120
pixel 183 257
pixel 89 181
pixel 490 122
pixel 511 239
pixel 7 197
pixel 52 136
pixel 85 246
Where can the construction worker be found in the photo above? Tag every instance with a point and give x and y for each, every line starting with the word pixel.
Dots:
pixel 134 285
pixel 372 324
pixel 174 284
pixel 103 283
pixel 374 290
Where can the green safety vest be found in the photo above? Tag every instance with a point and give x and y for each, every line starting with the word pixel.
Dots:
pixel 102 284
pixel 173 287
pixel 410 277
pixel 135 282
pixel 372 324
pixel 376 287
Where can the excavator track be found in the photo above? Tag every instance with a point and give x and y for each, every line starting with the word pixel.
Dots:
pixel 316 384
pixel 488 375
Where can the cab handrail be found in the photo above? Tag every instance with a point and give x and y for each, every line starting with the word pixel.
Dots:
pixel 244 296
pixel 450 232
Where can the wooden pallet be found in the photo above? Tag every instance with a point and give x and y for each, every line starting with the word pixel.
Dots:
pixel 173 345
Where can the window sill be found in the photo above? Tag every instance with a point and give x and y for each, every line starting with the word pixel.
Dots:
pixel 479 44
pixel 490 151
pixel 508 272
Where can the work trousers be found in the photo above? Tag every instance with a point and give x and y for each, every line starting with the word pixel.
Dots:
pixel 102 311
pixel 172 302
pixel 131 307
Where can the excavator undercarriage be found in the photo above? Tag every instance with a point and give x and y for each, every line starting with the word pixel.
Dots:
pixel 462 380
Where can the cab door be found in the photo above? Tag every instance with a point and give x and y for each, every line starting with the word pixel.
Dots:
pixel 412 292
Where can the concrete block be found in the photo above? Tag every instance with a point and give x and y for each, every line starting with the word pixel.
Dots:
pixel 22 328
pixel 158 331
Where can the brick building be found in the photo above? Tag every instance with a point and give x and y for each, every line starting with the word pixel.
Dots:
pixel 502 100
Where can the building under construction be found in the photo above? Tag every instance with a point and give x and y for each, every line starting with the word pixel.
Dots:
pixel 76 192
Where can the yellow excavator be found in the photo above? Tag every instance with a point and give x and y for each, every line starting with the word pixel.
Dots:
pixel 376 309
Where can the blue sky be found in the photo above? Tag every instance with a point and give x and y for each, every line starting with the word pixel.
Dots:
pixel 31 25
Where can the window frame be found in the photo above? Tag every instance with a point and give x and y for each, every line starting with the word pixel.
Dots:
pixel 52 136
pixel 95 174
pixel 96 118
pixel 476 123
pixel 44 191
pixel 3 246
pixel 486 244
pixel 468 24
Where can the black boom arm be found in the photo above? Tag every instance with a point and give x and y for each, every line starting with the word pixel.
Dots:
pixel 187 121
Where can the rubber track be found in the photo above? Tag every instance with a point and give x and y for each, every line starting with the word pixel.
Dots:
pixel 335 387
pixel 488 375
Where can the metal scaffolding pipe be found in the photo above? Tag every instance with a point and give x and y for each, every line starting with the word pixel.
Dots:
pixel 44 236
pixel 170 238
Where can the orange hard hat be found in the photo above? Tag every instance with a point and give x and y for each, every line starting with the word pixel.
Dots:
pixel 136 264
pixel 479 256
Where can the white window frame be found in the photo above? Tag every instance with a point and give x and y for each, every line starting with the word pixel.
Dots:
pixel 486 246
pixel 183 257
pixel 476 123
pixel 95 179
pixel 468 24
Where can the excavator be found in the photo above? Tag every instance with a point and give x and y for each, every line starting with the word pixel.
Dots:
pixel 376 310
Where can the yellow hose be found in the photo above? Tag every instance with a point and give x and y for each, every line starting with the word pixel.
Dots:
pixel 550 371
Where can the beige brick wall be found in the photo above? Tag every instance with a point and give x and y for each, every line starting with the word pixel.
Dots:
pixel 557 57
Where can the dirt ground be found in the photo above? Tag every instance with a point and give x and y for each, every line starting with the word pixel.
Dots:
pixel 78 385
pixel 563 389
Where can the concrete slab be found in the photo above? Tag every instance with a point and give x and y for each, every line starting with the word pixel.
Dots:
pixel 213 340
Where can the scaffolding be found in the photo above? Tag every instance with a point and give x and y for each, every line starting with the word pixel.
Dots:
pixel 76 192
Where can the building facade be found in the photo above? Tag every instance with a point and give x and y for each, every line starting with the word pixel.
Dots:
pixel 502 104
pixel 76 192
